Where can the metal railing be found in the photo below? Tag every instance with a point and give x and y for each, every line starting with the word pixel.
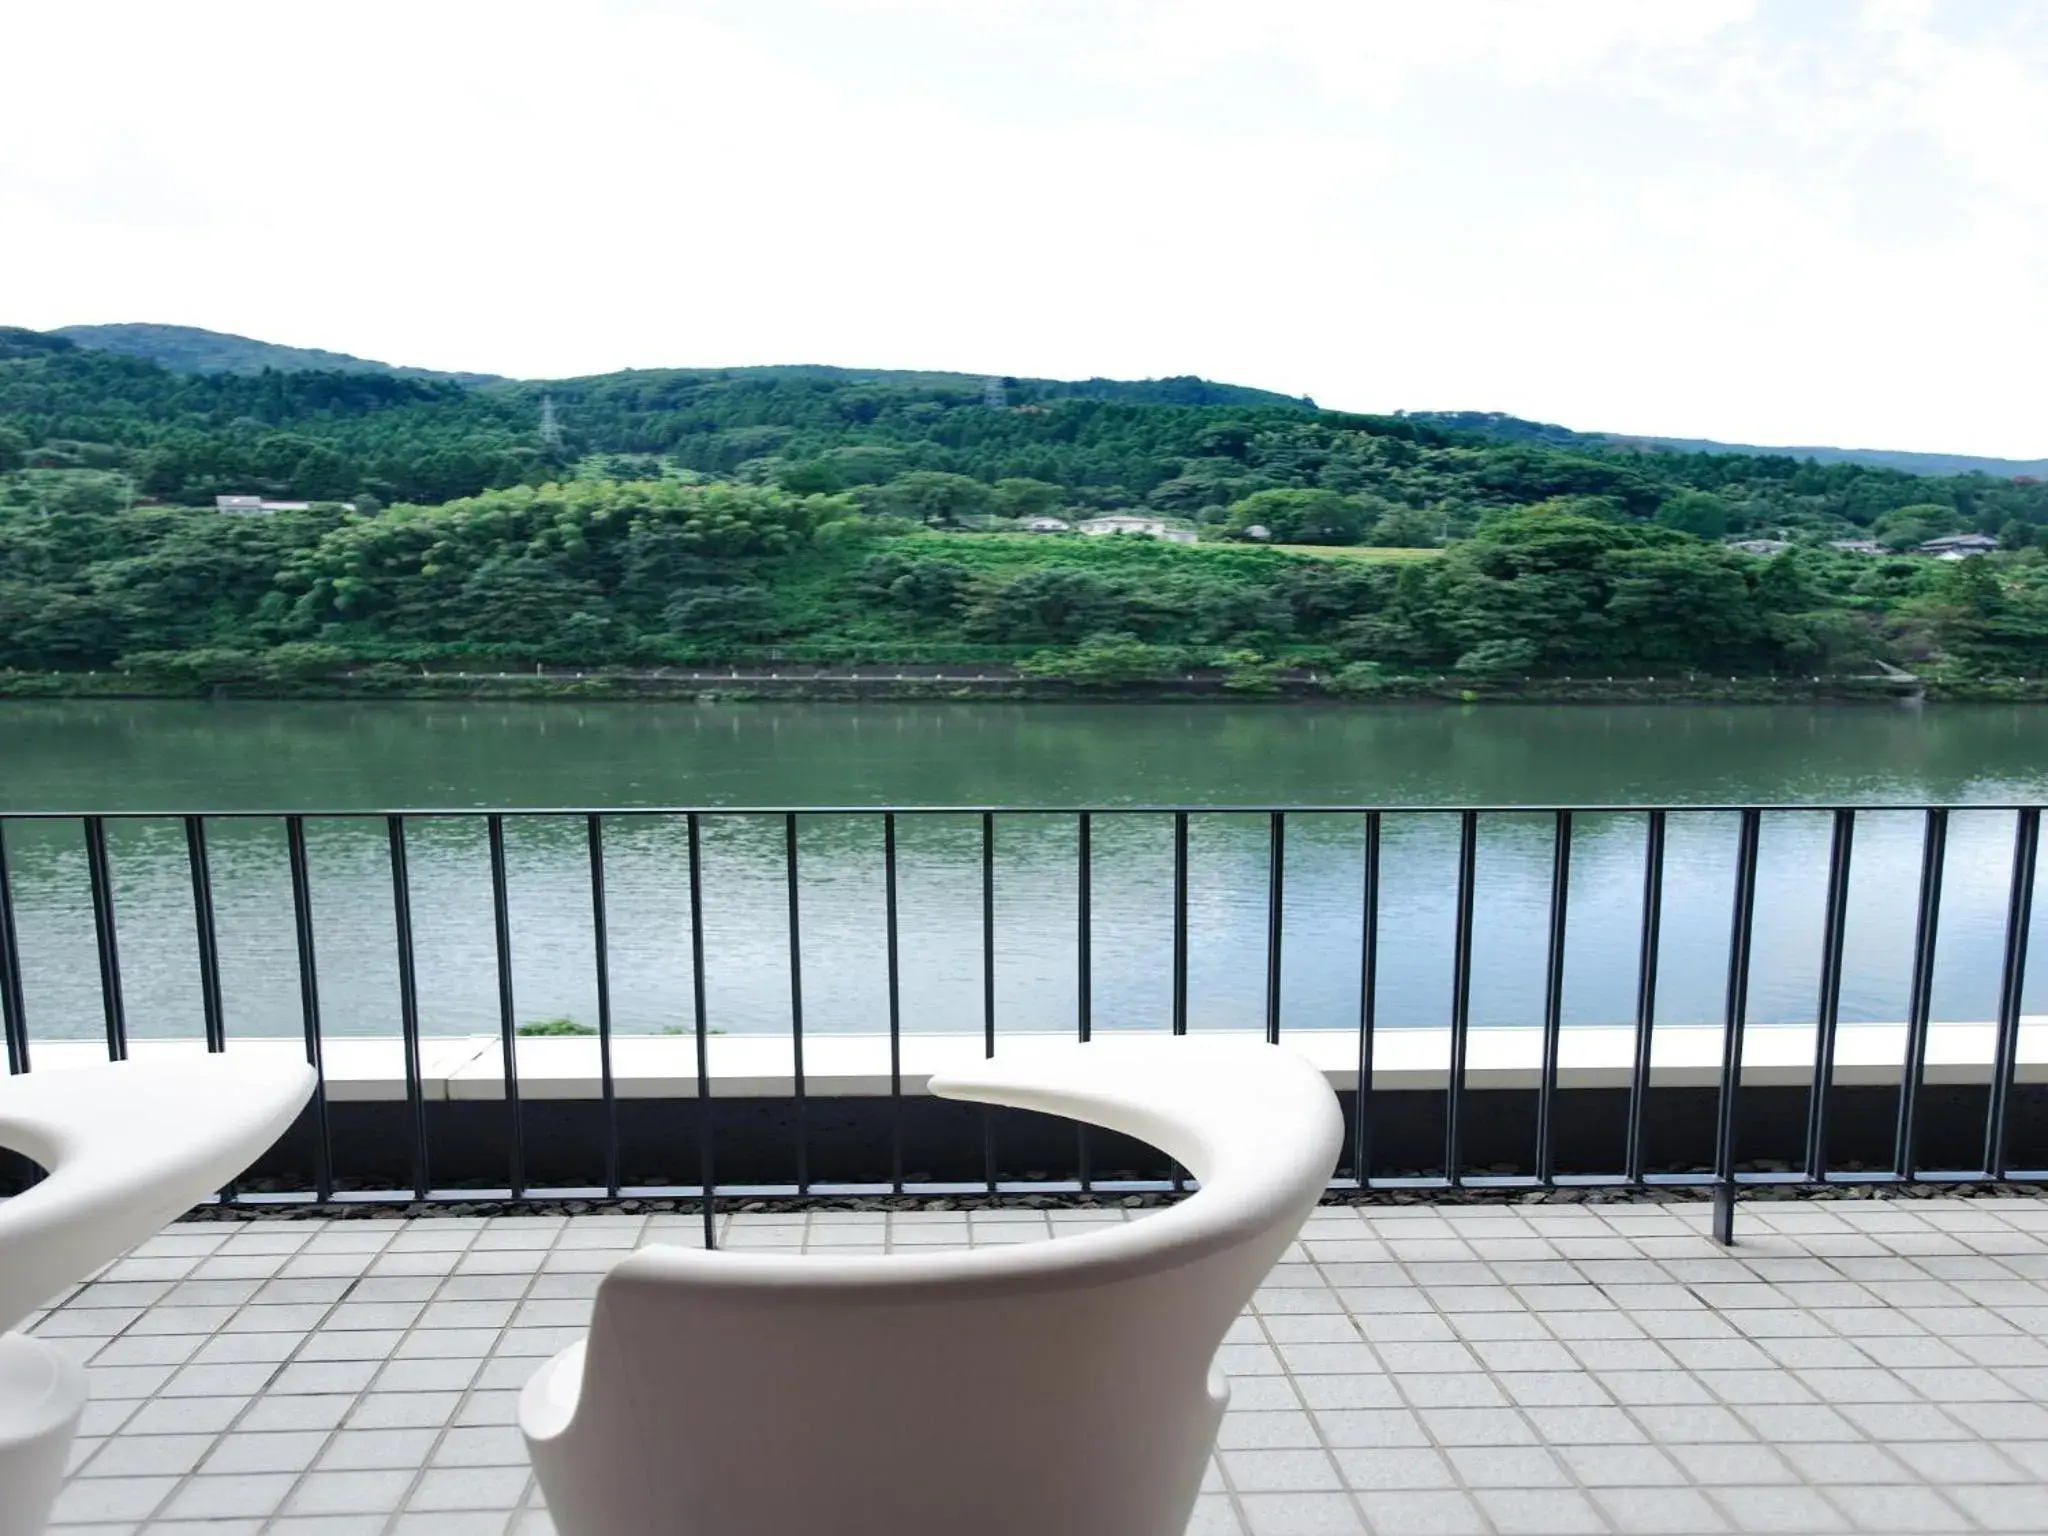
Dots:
pixel 1355 1171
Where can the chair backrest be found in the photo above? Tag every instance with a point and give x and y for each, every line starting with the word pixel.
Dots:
pixel 126 1146
pixel 1060 1386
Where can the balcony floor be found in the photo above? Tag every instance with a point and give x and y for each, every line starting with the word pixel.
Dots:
pixel 1852 1365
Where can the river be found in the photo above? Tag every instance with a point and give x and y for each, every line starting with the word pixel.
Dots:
pixel 109 756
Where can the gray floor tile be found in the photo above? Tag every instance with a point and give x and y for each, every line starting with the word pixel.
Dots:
pixel 1653 1511
pixel 1784 1508
pixel 147 1455
pixel 89 1499
pixel 359 1450
pixel 297 1412
pixel 1447 1513
pixel 1552 1368
pixel 1914 1509
pixel 1541 1512
pixel 470 1488
pixel 276 1451
pixel 1409 1467
pixel 1506 1466
pixel 241 1493
pixel 2004 1507
pixel 365 1492
pixel 1289 1471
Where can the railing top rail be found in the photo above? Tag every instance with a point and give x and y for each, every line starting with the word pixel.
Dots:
pixel 1148 808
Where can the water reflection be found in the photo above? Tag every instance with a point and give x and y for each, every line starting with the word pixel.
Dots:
pixel 1036 905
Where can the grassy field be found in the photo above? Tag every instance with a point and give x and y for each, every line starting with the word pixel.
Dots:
pixel 1357 552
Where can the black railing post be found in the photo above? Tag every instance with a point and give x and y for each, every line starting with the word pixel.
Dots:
pixel 2019 915
pixel 796 1005
pixel 1741 930
pixel 408 1002
pixel 1646 994
pixel 1828 1012
pixel 100 874
pixel 207 935
pixel 600 947
pixel 1084 967
pixel 13 1007
pixel 1276 912
pixel 895 1002
pixel 1461 1001
pixel 309 1001
pixel 1084 980
pixel 1368 1004
pixel 1553 996
pixel 1180 922
pixel 508 1018
pixel 988 987
pixel 706 1144
pixel 1926 929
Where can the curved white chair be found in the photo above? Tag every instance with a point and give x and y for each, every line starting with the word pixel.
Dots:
pixel 127 1147
pixel 1060 1388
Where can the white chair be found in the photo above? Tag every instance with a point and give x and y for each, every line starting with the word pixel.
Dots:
pixel 126 1147
pixel 1057 1388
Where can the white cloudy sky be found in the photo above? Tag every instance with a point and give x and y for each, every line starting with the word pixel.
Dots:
pixel 1782 221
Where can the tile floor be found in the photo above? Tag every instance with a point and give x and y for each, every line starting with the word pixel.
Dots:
pixel 1853 1365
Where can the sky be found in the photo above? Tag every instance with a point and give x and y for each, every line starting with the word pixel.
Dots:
pixel 1772 221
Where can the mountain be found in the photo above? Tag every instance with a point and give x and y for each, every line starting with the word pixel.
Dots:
pixel 189 349
pixel 1876 458
pixel 192 350
pixel 1181 389
pixel 1514 429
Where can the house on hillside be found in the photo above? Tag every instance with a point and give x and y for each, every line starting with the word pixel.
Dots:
pixel 1857 546
pixel 1959 546
pixel 1760 546
pixel 1144 527
pixel 1047 525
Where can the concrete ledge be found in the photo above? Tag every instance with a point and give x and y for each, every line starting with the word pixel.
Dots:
pixel 471 1067
pixel 365 1069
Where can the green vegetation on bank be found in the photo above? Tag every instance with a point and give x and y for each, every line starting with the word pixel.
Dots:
pixel 677 518
pixel 654 573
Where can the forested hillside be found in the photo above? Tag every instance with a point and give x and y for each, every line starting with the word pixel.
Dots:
pixel 188 349
pixel 1506 428
pixel 694 515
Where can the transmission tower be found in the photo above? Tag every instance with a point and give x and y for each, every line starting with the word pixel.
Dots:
pixel 550 425
pixel 993 395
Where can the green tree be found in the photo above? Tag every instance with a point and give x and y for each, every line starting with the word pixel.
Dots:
pixel 744 614
pixel 1986 624
pixel 1699 513
pixel 1910 526
pixel 1052 604
pixel 932 497
pixel 1404 528
pixel 1497 658
pixel 813 477
pixel 1298 517
pixel 1019 496
pixel 1102 661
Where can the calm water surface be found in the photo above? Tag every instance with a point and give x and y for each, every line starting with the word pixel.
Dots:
pixel 355 757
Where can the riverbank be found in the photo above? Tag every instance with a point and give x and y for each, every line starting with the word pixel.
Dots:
pixel 1001 684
